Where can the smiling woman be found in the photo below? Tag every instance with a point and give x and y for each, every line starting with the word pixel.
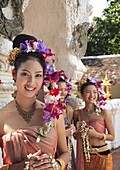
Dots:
pixel 28 141
pixel 92 122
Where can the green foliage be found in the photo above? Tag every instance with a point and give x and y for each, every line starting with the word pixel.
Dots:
pixel 104 33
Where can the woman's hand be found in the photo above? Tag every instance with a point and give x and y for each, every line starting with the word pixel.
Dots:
pixel 69 130
pixel 92 132
pixel 43 162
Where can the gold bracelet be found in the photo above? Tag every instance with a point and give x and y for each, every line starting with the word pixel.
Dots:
pixel 61 162
pixel 55 164
pixel 104 136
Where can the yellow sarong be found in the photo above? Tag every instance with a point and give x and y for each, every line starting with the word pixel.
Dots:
pixel 99 162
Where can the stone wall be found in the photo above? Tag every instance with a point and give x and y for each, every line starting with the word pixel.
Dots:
pixel 99 66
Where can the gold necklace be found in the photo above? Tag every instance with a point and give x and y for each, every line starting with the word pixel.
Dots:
pixel 89 113
pixel 26 115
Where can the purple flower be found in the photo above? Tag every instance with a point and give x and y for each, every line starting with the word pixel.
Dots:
pixel 53 111
pixel 49 68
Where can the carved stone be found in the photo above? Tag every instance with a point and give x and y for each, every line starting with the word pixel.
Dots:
pixel 11 24
pixel 77 21
pixel 10 27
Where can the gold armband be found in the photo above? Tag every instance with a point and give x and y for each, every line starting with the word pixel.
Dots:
pixel 104 137
pixel 61 162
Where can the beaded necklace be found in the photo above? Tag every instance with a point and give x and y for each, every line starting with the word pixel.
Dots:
pixel 89 113
pixel 26 115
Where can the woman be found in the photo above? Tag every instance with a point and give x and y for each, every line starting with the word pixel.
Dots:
pixel 28 141
pixel 92 122
pixel 68 115
pixel 21 38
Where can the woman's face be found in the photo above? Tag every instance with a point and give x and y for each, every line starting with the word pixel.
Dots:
pixel 90 94
pixel 29 78
pixel 63 90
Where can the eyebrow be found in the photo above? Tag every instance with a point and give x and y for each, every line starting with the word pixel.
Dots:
pixel 35 72
pixel 90 90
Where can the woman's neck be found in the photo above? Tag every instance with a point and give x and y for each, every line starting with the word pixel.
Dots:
pixel 89 107
pixel 25 103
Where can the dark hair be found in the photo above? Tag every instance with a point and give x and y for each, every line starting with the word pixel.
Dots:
pixel 61 80
pixel 85 85
pixel 23 57
pixel 21 38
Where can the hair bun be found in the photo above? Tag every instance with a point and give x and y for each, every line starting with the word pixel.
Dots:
pixel 21 38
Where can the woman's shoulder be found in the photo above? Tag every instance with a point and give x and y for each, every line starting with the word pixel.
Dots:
pixel 5 113
pixel 77 114
pixel 40 105
pixel 105 112
pixel 78 111
pixel 8 107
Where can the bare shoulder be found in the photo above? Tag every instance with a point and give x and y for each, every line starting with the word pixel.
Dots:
pixel 5 113
pixel 60 123
pixel 40 104
pixel 77 115
pixel 60 119
pixel 105 113
pixel 77 112
pixel 6 110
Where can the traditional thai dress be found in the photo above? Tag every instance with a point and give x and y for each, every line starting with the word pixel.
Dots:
pixel 100 157
pixel 22 142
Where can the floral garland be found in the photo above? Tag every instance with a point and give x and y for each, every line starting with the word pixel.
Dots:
pixel 54 107
pixel 85 139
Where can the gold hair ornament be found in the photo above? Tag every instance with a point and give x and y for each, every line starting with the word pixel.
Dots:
pixel 12 56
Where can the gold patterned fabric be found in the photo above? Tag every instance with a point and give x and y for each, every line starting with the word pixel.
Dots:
pixel 99 162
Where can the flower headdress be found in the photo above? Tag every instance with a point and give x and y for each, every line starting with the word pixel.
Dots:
pixel 34 46
pixel 55 77
pixel 52 98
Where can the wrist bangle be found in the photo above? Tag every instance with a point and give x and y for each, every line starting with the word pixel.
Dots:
pixel 104 137
pixel 27 165
pixel 61 162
